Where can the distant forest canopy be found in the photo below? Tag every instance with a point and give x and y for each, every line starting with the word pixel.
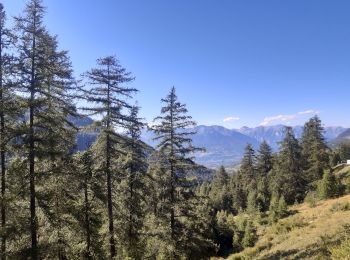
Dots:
pixel 120 198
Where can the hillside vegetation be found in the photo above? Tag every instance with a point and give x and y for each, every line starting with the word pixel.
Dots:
pixel 310 232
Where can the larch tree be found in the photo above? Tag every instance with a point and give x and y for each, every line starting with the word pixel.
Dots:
pixel 219 194
pixel 264 159
pixel 264 164
pixel 8 114
pixel 89 198
pixel 173 132
pixel 288 177
pixel 31 29
pixel 248 167
pixel 45 85
pixel 131 188
pixel 314 150
pixel 108 99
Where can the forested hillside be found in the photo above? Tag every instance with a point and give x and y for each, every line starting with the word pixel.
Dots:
pixel 117 197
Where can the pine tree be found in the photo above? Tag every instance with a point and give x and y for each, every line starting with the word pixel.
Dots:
pixel 175 145
pixel 264 166
pixel 263 193
pixel 8 113
pixel 282 207
pixel 264 162
pixel 248 168
pixel 273 208
pixel 89 199
pixel 132 188
pixel 252 204
pixel 239 196
pixel 221 178
pixel 45 84
pixel 57 137
pixel 250 236
pixel 287 176
pixel 107 96
pixel 278 208
pixel 328 186
pixel 245 180
pixel 344 152
pixel 314 150
pixel 219 194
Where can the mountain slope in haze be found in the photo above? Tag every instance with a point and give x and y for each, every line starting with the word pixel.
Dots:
pixel 84 138
pixel 226 146
pixel 274 134
pixel 343 138
pixel 223 146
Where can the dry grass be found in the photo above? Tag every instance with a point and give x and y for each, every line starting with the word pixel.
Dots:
pixel 343 171
pixel 304 235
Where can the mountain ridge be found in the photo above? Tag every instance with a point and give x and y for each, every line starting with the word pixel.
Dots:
pixel 225 146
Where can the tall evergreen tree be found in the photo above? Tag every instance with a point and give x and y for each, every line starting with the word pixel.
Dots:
pixel 344 152
pixel 264 162
pixel 8 108
pixel 107 96
pixel 248 167
pixel 239 193
pixel 314 150
pixel 328 187
pixel 89 200
pixel 132 188
pixel 219 195
pixel 287 177
pixel 176 145
pixel 264 165
pixel 45 84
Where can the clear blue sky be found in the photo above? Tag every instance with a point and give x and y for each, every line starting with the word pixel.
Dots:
pixel 281 61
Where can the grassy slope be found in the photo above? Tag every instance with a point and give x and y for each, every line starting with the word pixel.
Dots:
pixel 307 234
pixel 303 234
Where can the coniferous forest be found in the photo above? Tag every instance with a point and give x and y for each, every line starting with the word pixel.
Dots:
pixel 121 198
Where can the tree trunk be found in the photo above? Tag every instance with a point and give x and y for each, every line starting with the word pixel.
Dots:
pixel 2 155
pixel 31 159
pixel 131 219
pixel 109 181
pixel 109 202
pixel 173 176
pixel 87 218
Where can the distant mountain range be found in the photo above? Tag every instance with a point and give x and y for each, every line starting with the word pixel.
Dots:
pixel 226 146
pixel 274 134
pixel 343 138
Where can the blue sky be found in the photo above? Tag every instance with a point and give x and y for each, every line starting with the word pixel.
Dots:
pixel 234 63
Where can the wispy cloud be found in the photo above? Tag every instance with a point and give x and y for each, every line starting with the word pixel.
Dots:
pixel 307 112
pixel 269 120
pixel 231 118
pixel 287 118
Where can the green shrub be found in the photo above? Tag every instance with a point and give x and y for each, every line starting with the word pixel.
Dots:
pixel 278 208
pixel 328 187
pixel 250 236
pixel 311 199
pixel 287 225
